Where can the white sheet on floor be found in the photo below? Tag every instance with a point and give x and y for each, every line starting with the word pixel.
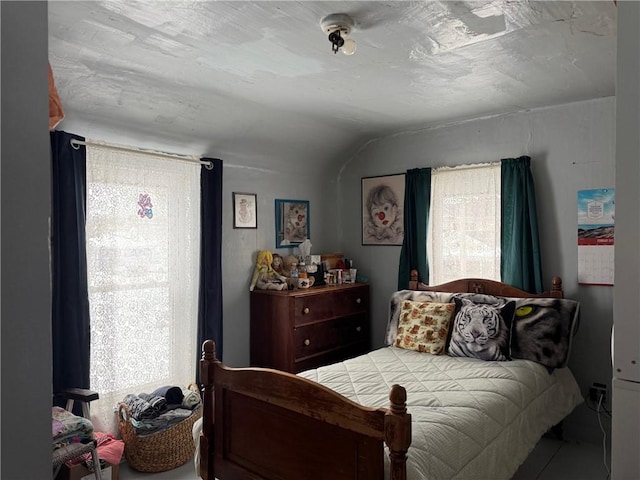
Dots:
pixel 471 419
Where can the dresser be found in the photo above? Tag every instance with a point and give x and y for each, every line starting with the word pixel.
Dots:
pixel 301 329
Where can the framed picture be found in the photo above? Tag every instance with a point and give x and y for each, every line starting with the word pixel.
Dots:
pixel 292 222
pixel 382 210
pixel 245 211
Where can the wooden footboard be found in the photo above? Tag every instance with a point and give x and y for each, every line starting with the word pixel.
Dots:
pixel 267 424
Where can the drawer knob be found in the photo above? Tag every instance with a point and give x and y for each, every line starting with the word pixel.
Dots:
pixel 358 300
pixel 358 328
pixel 305 310
pixel 307 342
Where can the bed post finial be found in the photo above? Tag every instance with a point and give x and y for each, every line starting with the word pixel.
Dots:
pixel 397 432
pixel 398 399
pixel 556 287
pixel 207 370
pixel 208 350
pixel 413 280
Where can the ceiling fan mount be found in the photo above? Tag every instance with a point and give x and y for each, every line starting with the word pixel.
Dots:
pixel 337 27
pixel 337 22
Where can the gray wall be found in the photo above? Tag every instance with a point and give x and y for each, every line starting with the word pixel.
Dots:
pixel 25 399
pixel 572 148
pixel 240 246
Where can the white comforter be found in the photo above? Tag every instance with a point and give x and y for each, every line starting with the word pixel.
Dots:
pixel 471 419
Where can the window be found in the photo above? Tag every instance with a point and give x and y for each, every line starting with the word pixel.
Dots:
pixel 463 237
pixel 143 242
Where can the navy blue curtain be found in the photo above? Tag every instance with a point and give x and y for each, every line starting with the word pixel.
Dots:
pixel 417 203
pixel 210 295
pixel 520 262
pixel 70 303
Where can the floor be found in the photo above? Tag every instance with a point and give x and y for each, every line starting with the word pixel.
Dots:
pixel 550 460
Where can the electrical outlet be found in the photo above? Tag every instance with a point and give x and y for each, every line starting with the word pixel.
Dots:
pixel 596 391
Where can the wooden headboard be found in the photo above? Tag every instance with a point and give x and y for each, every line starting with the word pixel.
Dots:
pixel 487 287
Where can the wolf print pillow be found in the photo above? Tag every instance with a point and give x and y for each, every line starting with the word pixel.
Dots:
pixel 481 330
pixel 542 330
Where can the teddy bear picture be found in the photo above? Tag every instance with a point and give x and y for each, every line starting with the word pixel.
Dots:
pixel 292 222
pixel 295 229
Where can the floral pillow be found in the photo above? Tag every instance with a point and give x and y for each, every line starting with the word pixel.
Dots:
pixel 481 330
pixel 395 307
pixel 424 326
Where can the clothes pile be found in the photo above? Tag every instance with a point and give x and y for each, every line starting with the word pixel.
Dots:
pixel 160 409
pixel 109 450
pixel 68 428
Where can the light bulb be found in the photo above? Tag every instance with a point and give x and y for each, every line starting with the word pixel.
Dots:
pixel 349 47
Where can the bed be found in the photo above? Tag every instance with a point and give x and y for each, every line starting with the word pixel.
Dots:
pixel 398 413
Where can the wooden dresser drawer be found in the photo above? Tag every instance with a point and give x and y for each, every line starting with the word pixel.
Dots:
pixel 323 336
pixel 338 303
pixel 312 308
pixel 300 329
pixel 351 301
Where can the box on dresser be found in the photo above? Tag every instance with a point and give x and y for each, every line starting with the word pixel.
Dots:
pixel 302 329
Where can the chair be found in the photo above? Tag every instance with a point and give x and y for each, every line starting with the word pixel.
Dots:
pixel 83 395
pixel 75 450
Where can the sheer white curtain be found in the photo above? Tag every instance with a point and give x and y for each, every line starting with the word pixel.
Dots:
pixel 463 238
pixel 143 244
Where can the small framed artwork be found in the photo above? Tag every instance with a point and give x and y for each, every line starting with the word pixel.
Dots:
pixel 245 211
pixel 382 210
pixel 292 222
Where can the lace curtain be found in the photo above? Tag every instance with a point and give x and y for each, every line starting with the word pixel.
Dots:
pixel 463 237
pixel 143 244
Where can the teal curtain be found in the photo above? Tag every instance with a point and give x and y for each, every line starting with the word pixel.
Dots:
pixel 417 201
pixel 520 263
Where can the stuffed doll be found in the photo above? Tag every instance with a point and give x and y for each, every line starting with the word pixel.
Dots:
pixel 277 263
pixel 264 276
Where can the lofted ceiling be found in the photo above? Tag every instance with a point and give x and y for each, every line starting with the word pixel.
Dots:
pixel 213 76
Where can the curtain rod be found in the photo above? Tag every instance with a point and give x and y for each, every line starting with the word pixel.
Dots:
pixel 468 166
pixel 183 158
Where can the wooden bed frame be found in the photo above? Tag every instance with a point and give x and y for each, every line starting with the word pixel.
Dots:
pixel 268 424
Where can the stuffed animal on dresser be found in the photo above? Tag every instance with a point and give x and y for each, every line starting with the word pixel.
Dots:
pixel 264 276
pixel 289 263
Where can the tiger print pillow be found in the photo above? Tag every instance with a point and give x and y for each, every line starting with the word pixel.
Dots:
pixel 481 330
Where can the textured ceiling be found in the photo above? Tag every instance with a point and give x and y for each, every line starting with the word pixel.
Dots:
pixel 205 76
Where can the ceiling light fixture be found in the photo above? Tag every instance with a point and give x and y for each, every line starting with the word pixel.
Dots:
pixel 338 26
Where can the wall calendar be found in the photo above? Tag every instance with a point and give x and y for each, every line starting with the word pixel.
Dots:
pixel 596 215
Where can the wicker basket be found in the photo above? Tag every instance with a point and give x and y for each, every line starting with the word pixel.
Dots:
pixel 160 451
